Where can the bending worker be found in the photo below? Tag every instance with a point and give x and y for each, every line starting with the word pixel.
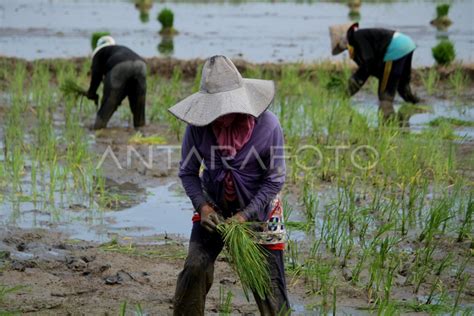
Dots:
pixel 384 54
pixel 124 75
pixel 240 143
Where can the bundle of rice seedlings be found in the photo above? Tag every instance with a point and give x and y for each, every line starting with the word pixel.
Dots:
pixel 247 257
pixel 70 87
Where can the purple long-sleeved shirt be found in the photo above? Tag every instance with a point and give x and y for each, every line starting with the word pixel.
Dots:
pixel 258 169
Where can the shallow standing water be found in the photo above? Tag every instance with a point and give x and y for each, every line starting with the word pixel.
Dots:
pixel 164 211
pixel 255 31
pixel 455 108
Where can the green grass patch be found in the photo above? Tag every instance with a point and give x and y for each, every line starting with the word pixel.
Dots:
pixel 5 290
pixel 139 139
pixel 451 121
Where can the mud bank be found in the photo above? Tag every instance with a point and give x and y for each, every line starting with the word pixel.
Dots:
pixel 164 67
pixel 50 274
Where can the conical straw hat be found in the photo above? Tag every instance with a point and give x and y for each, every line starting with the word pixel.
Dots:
pixel 224 91
pixel 338 34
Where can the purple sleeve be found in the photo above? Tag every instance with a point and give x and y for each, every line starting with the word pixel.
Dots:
pixel 189 168
pixel 273 180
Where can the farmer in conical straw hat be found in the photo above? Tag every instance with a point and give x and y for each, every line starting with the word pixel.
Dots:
pixel 124 75
pixel 240 143
pixel 384 54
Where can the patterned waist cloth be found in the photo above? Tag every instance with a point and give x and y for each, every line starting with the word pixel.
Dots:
pixel 271 234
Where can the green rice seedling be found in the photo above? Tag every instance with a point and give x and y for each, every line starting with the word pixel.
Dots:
pixel 310 203
pixel 388 282
pixel 70 87
pixel 356 271
pixel 458 81
pixel 319 273
pixel 248 258
pixel 166 19
pixel 442 10
pixel 176 125
pixel 225 301
pixel 379 275
pixel 388 309
pixel 439 121
pixel 430 80
pixel 169 93
pixel 123 309
pixel 292 255
pixel 5 290
pixel 467 221
pixel 439 214
pixel 197 80
pixel 422 266
pixel 139 310
pixel 444 53
pixel 436 285
pixel 166 46
pixel 442 20
pixel 462 268
pixel 444 264
pixel 462 284
pixel 348 247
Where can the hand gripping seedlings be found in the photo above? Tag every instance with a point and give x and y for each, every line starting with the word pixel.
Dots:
pixel 247 257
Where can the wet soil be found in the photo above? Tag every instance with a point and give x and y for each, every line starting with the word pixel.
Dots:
pixel 55 275
pixel 68 277
pixel 59 272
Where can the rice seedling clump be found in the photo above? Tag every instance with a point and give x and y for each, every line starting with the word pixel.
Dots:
pixel 247 257
pixel 444 52
pixel 71 88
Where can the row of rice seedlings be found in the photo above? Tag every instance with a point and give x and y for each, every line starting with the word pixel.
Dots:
pixel 394 191
pixel 458 81
pixel 409 168
pixel 58 158
pixel 14 129
pixel 125 310
pixel 168 93
pixel 225 301
pixel 380 250
pixel 430 80
pixel 378 207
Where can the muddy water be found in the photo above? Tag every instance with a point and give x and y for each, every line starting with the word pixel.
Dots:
pixel 161 211
pixel 255 31
pixel 433 108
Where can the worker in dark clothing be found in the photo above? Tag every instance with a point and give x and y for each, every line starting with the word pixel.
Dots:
pixel 229 117
pixel 384 54
pixel 124 75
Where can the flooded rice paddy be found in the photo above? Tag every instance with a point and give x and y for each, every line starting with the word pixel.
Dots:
pixel 75 204
pixel 256 31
